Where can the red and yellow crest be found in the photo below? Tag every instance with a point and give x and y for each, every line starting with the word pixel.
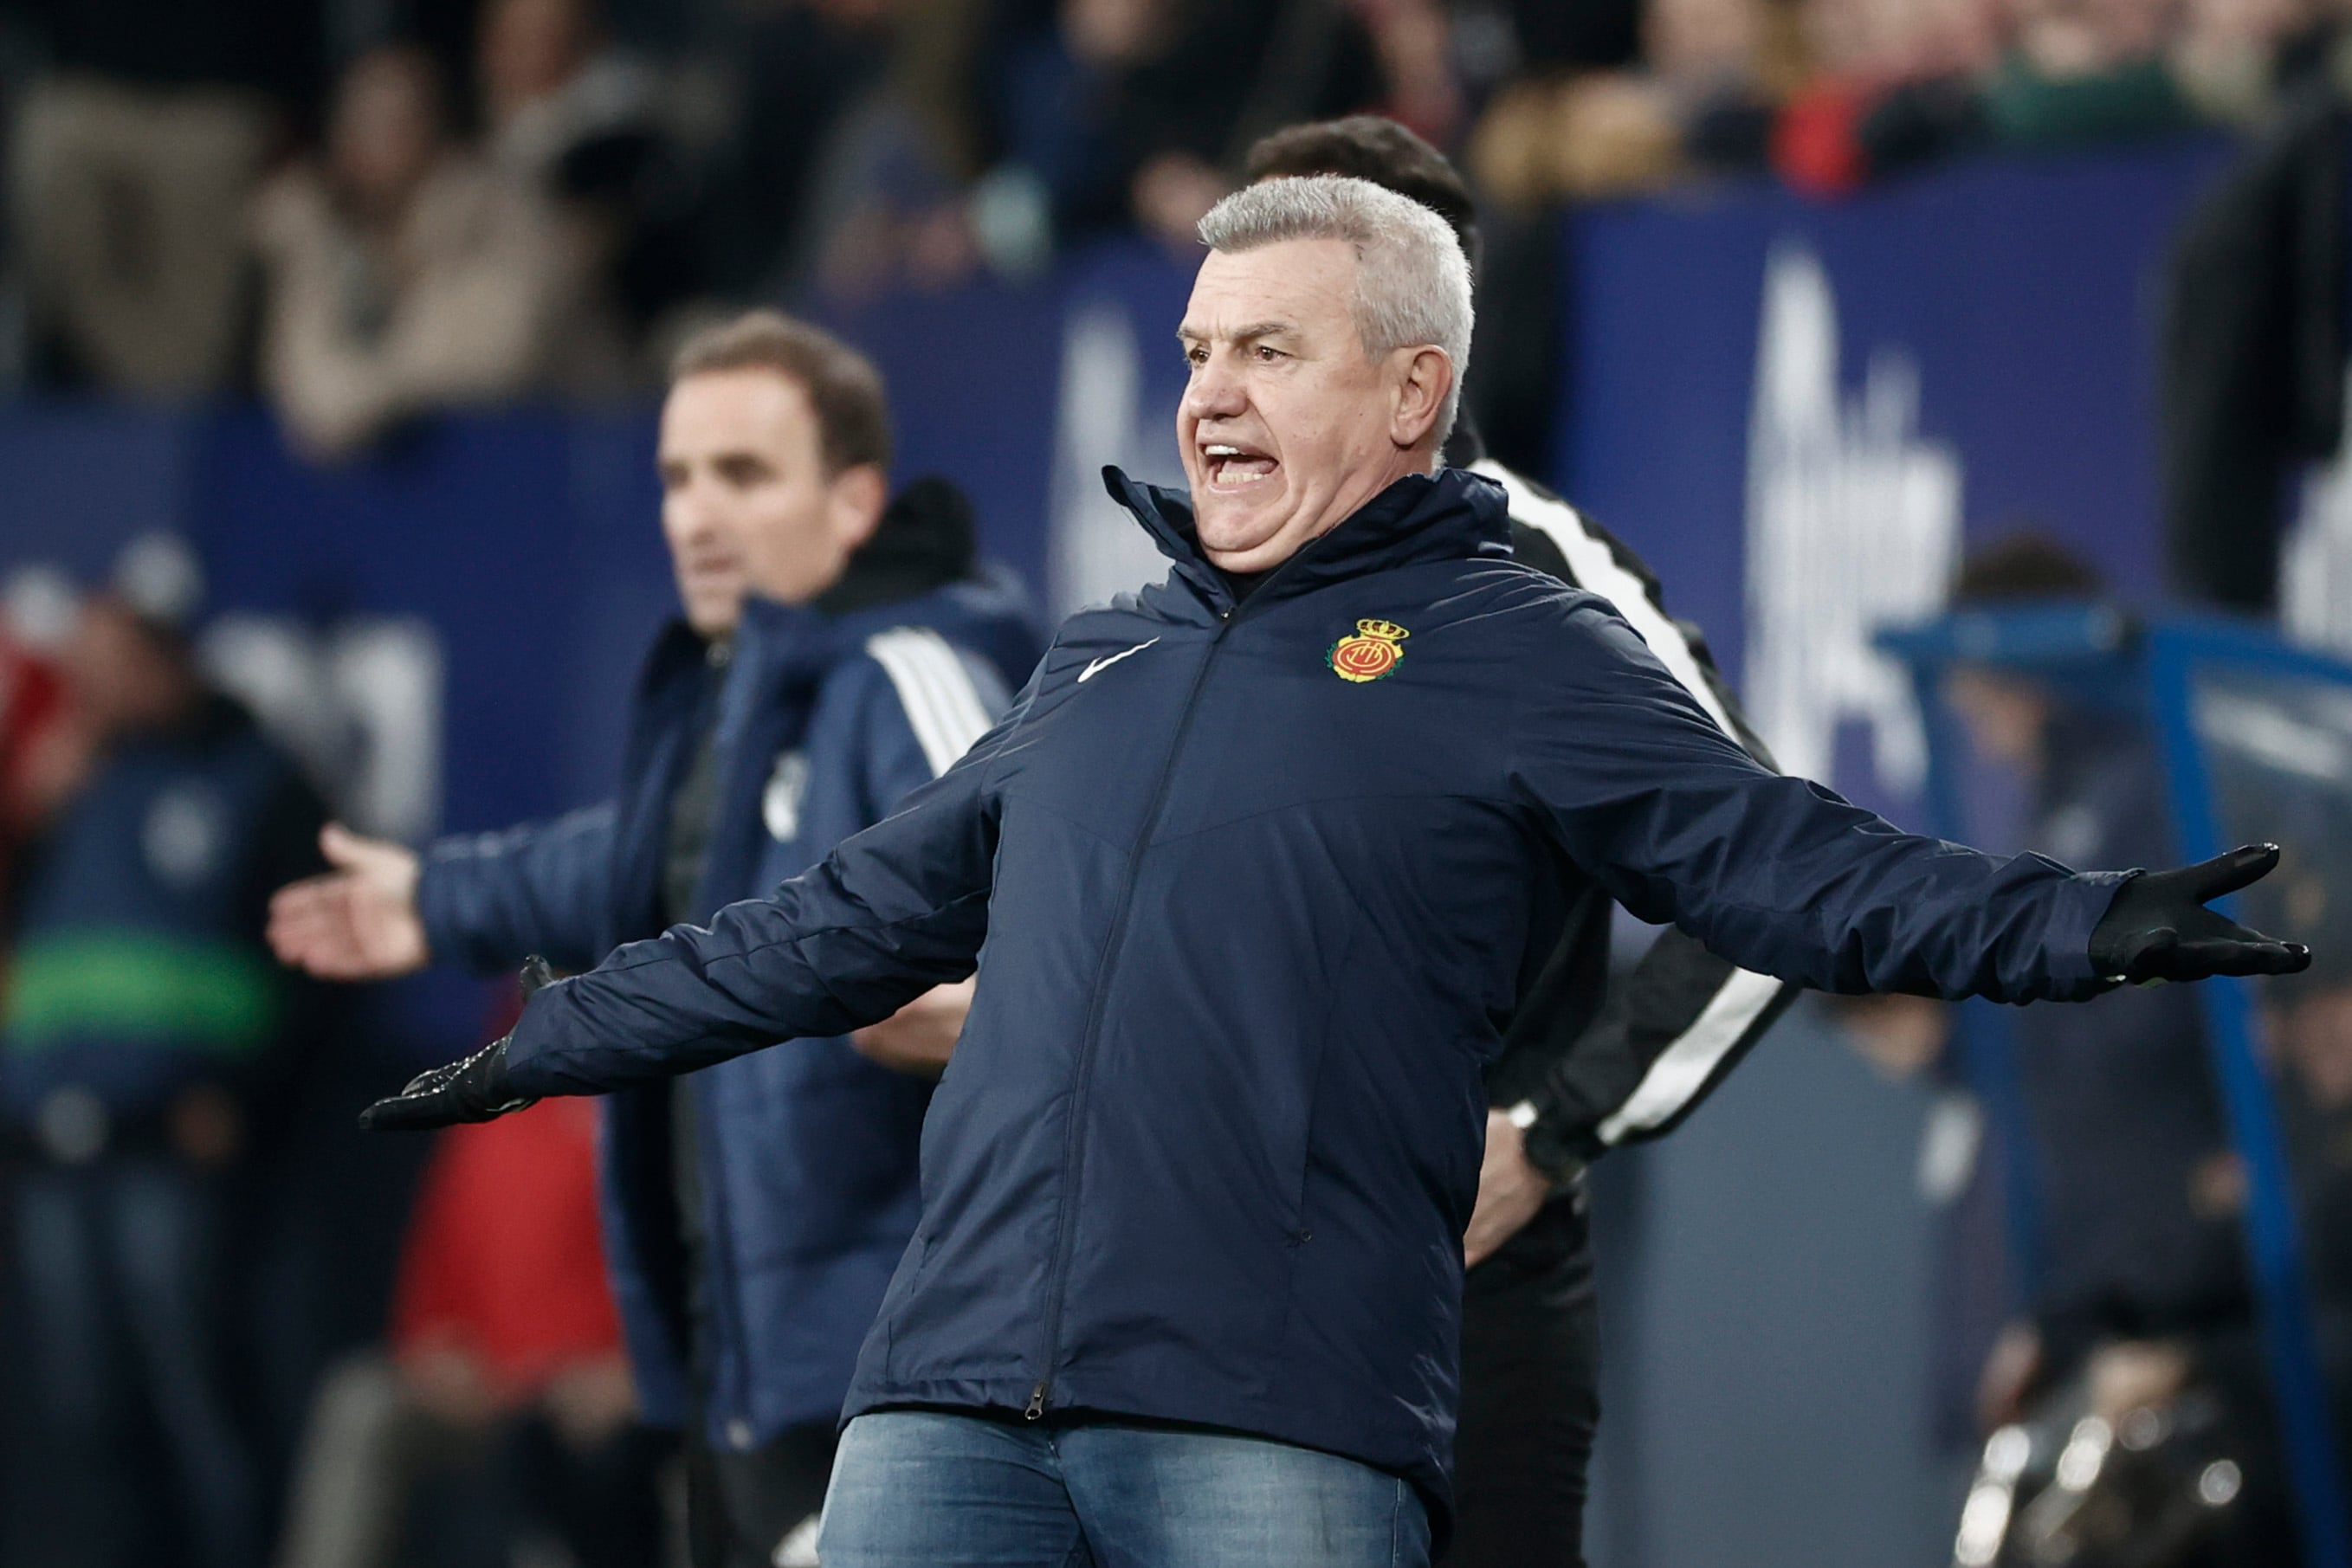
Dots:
pixel 1371 654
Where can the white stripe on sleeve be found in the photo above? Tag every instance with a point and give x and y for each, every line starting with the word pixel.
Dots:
pixel 1683 1069
pixel 942 704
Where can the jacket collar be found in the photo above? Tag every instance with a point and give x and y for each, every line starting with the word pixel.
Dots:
pixel 1446 516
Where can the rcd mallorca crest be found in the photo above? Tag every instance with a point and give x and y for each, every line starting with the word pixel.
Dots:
pixel 1371 654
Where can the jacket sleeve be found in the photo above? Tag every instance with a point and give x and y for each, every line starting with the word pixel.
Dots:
pixel 1779 875
pixel 926 701
pixel 1684 1019
pixel 490 900
pixel 892 912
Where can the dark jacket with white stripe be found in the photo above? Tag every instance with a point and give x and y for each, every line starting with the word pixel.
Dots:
pixel 806 1159
pixel 1600 1073
pixel 1247 932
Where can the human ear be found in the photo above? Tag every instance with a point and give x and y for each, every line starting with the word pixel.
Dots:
pixel 1423 376
pixel 855 499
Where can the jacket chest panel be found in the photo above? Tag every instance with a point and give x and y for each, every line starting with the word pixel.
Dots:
pixel 1176 730
pixel 1279 726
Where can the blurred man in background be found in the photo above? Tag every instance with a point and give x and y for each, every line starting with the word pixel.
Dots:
pixel 837 650
pixel 2139 1192
pixel 2139 1296
pixel 143 1030
pixel 2142 1297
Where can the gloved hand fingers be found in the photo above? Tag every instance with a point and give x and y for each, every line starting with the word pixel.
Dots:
pixel 537 975
pixel 2242 867
pixel 407 1113
pixel 2260 955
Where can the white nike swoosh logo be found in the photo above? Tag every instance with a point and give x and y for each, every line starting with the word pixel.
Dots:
pixel 1089 673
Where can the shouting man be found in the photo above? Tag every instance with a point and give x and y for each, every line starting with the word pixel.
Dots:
pixel 1253 870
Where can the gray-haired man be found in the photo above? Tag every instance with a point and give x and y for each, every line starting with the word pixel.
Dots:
pixel 1251 873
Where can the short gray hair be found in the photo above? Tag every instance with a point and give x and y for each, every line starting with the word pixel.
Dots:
pixel 1413 282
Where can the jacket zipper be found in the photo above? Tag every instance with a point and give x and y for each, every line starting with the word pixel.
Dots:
pixel 1074 1144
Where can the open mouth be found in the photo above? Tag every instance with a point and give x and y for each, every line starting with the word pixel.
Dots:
pixel 1233 467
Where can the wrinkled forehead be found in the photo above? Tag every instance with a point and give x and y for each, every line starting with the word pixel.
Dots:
pixel 1306 286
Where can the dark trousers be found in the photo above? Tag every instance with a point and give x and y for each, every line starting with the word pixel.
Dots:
pixel 741 1506
pixel 1530 1399
pixel 125 1359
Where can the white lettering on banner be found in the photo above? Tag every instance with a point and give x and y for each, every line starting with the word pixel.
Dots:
pixel 358 703
pixel 1097 550
pixel 2315 566
pixel 1853 523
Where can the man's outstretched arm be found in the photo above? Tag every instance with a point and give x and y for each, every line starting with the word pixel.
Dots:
pixel 1784 877
pixel 894 910
pixel 481 900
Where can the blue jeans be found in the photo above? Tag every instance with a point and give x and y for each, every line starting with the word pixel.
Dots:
pixel 919 1489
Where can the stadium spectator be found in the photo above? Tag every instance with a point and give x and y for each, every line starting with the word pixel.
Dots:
pixel 885 199
pixel 550 85
pixel 2252 344
pixel 143 1031
pixel 1715 72
pixel 2128 1128
pixel 2142 1296
pixel 404 273
pixel 132 160
pixel 1894 87
pixel 1134 111
pixel 797 72
pixel 569 114
pixel 2080 71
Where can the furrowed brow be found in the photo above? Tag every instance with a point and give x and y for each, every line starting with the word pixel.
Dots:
pixel 1249 334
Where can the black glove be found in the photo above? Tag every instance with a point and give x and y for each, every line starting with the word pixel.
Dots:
pixel 2159 929
pixel 474 1090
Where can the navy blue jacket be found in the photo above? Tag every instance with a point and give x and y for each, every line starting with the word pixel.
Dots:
pixel 1247 930
pixel 808 1158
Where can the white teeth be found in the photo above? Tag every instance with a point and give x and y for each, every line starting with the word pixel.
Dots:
pixel 1225 452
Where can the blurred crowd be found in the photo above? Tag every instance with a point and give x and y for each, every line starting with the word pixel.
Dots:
pixel 227 1336
pixel 1830 95
pixel 366 207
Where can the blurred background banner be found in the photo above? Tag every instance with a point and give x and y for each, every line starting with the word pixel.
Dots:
pixel 1826 403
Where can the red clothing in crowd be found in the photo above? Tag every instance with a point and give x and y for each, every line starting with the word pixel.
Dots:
pixel 32 715
pixel 503 1261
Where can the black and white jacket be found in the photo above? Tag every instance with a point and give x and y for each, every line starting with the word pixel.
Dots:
pixel 1583 1079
